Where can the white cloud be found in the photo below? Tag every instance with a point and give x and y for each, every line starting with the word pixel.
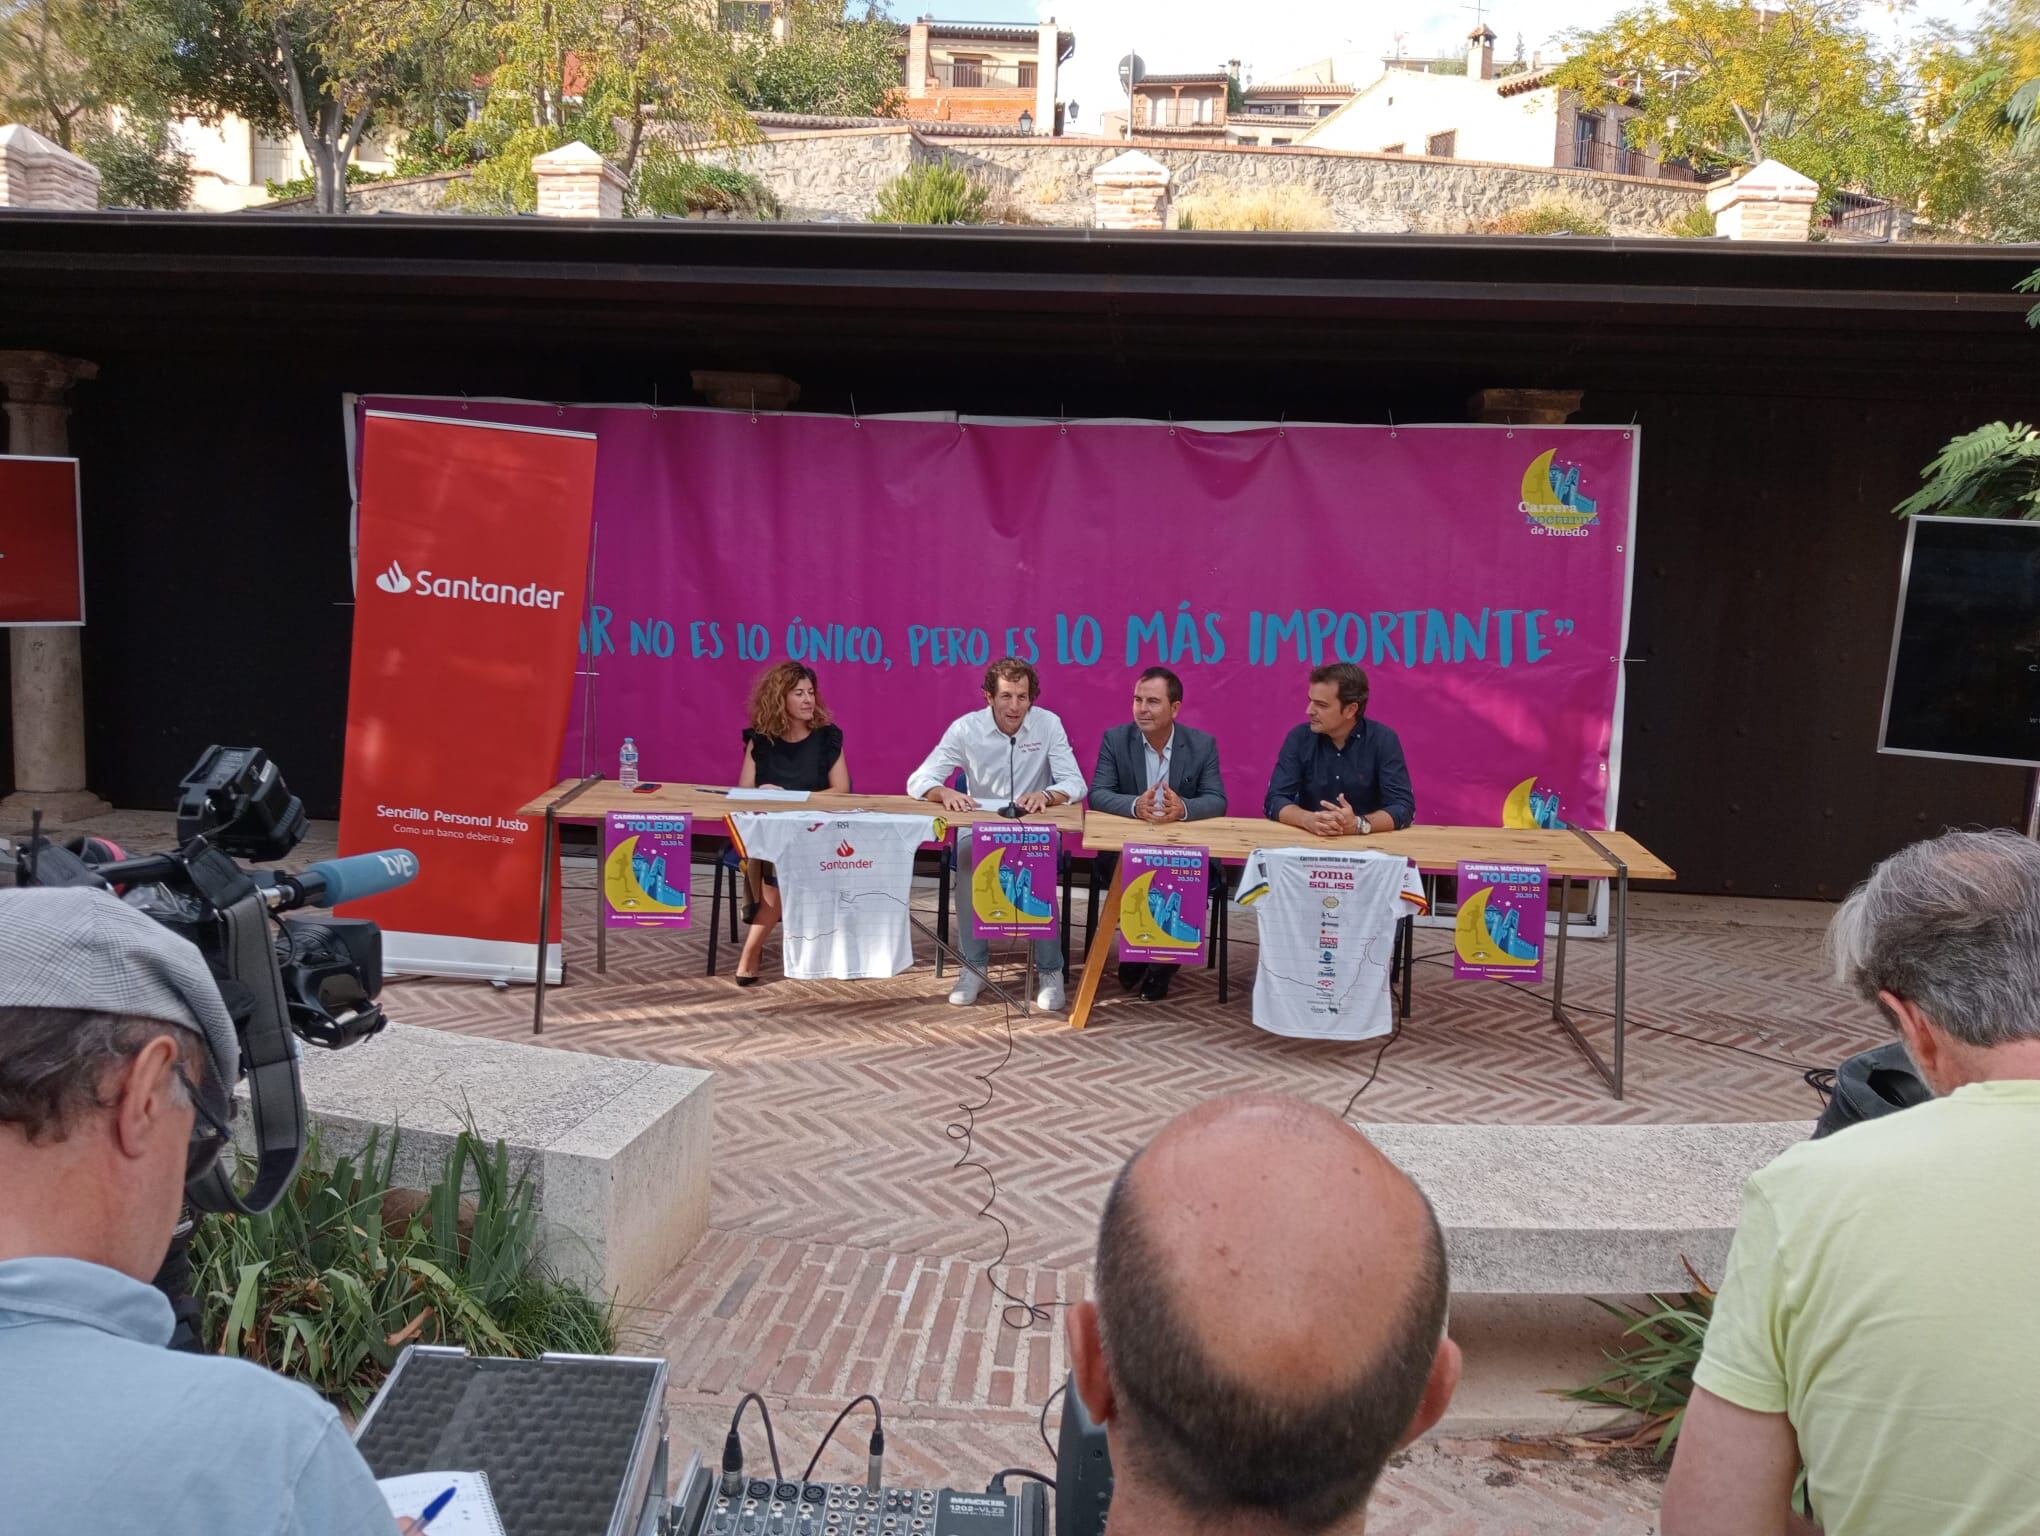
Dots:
pixel 1182 36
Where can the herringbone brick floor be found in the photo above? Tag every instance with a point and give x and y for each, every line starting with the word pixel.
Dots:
pixel 852 1247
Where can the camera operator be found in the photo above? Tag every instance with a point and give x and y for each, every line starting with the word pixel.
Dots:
pixel 116 1052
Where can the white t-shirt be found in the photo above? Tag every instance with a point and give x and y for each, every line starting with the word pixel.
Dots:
pixel 1327 935
pixel 843 887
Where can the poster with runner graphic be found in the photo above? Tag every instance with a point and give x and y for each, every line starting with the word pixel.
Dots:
pixel 1499 933
pixel 1012 873
pixel 1162 905
pixel 646 868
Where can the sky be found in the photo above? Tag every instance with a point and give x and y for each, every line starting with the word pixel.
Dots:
pixel 1184 36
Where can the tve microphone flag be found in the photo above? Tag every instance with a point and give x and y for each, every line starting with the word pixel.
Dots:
pixel 471 571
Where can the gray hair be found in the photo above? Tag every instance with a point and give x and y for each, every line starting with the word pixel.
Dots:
pixel 1952 925
pixel 54 1064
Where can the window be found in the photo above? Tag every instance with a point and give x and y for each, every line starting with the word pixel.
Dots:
pixel 1442 145
pixel 1326 109
pixel 1393 149
pixel 1292 109
pixel 1248 138
pixel 1274 142
pixel 965 73
pixel 1027 67
pixel 269 160
pixel 745 15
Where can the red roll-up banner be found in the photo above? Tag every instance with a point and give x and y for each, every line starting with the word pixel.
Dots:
pixel 471 570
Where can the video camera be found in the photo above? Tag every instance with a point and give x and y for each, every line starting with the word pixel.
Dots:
pixel 313 979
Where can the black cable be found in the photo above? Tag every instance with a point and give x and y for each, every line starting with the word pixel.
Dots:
pixel 1058 1392
pixel 764 1413
pixel 877 1437
pixel 997 1486
pixel 1394 1035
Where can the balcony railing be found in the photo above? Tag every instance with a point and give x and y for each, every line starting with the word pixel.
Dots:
pixel 970 74
pixel 1182 114
pixel 1618 159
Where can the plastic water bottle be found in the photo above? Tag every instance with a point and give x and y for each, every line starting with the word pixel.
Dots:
pixel 626 773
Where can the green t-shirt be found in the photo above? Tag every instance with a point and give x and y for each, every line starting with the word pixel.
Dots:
pixel 1881 1295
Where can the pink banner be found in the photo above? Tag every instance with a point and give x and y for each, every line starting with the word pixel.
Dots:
pixel 1479 575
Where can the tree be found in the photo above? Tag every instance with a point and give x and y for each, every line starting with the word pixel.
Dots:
pixel 45 80
pixel 322 67
pixel 140 165
pixel 1735 82
pixel 1980 102
pixel 830 63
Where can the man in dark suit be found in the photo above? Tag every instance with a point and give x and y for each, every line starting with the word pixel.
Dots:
pixel 1158 771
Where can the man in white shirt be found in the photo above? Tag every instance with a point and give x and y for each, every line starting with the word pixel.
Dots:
pixel 1010 754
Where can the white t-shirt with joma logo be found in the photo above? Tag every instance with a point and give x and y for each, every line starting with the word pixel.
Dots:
pixel 1327 923
pixel 843 887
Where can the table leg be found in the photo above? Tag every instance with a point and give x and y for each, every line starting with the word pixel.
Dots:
pixel 941 910
pixel 1095 957
pixel 545 901
pixel 1621 968
pixel 1218 880
pixel 1618 883
pixel 602 921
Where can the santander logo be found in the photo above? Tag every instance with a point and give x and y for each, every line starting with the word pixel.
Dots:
pixel 844 850
pixel 468 589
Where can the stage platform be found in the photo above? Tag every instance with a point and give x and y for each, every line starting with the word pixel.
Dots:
pixel 845 1251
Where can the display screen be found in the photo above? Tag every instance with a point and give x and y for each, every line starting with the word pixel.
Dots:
pixel 1965 660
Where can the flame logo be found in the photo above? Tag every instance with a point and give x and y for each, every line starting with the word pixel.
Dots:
pixel 394 580
pixel 844 850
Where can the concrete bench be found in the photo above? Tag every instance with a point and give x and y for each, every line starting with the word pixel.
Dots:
pixel 1585 1210
pixel 617 1150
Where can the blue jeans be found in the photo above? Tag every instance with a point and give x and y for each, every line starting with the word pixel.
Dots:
pixel 1048 955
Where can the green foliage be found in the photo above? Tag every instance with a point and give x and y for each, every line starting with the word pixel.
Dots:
pixel 1548 216
pixel 1696 223
pixel 830 64
pixel 1653 1379
pixel 323 1288
pixel 46 76
pixel 306 186
pixel 1993 471
pixel 1731 81
pixel 667 182
pixel 140 166
pixel 932 194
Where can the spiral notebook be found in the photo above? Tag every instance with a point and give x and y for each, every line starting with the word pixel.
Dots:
pixel 471 1513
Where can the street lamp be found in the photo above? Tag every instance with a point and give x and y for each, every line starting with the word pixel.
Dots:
pixel 1026 122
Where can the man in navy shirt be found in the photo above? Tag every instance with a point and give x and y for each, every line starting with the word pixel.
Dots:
pixel 1340 772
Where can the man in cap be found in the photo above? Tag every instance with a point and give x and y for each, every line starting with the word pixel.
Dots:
pixel 116 1060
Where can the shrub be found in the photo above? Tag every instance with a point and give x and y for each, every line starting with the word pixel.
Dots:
pixel 667 182
pixel 1548 216
pixel 327 1287
pixel 932 194
pixel 1696 223
pixel 140 166
pixel 306 185
pixel 1214 203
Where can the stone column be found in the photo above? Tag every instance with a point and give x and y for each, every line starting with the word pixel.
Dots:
pixel 1767 202
pixel 34 173
pixel 1525 407
pixel 1047 83
pixel 917 59
pixel 47 661
pixel 574 182
pixel 1130 191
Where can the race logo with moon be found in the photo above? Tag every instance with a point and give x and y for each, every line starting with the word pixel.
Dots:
pixel 1554 502
pixel 1533 803
pixel 1012 881
pixel 645 871
pixel 1162 908
pixel 1499 932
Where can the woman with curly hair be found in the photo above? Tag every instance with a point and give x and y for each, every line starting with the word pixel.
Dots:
pixel 791 743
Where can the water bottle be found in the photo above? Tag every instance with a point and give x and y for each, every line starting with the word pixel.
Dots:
pixel 626 773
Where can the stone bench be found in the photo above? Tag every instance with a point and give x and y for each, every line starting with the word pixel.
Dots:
pixel 617 1150
pixel 1585 1210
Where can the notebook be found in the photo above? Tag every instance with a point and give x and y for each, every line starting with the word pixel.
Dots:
pixel 471 1513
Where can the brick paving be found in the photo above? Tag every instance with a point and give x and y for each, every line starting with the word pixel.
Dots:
pixel 882 1161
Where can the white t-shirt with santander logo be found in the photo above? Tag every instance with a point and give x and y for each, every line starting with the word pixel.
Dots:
pixel 1327 922
pixel 843 887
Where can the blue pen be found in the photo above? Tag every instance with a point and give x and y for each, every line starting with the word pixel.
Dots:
pixel 432 1510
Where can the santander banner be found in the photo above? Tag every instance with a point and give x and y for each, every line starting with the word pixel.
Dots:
pixel 1479 574
pixel 471 574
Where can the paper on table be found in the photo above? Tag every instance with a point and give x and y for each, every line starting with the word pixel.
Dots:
pixel 473 1508
pixel 795 796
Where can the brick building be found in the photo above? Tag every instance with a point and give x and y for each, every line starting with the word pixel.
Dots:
pixel 985 72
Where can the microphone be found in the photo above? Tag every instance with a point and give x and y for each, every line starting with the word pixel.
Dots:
pixel 357 877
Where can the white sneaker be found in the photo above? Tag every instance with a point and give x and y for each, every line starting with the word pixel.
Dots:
pixel 1050 998
pixel 968 985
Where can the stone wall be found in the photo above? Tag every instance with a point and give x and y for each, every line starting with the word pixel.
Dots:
pixel 408 194
pixel 834 176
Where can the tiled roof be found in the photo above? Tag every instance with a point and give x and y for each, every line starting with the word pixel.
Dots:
pixel 1529 80
pixel 930 129
pixel 1263 92
pixel 1213 77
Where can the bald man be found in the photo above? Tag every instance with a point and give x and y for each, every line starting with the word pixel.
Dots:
pixel 1269 1325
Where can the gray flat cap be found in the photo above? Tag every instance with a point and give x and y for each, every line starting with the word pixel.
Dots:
pixel 87 949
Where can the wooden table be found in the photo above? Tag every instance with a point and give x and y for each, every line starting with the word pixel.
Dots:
pixel 591 799
pixel 1568 854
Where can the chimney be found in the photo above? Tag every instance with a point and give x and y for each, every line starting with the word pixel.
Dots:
pixel 1480 53
pixel 917 59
